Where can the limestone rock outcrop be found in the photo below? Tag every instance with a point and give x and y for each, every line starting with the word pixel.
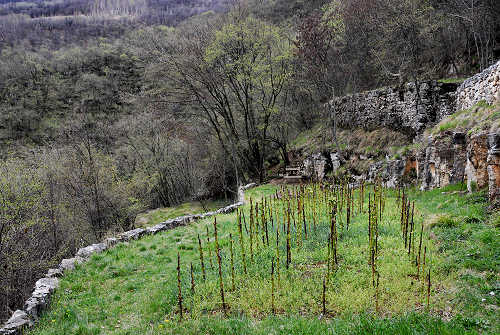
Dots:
pixel 315 167
pixel 390 172
pixel 493 161
pixel 476 169
pixel 444 160
pixel 318 165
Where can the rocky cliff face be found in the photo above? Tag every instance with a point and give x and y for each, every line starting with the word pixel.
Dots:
pixel 476 169
pixel 453 158
pixel 409 109
pixel 493 162
pixel 444 158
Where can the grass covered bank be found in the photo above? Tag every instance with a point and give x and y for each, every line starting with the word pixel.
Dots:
pixel 132 289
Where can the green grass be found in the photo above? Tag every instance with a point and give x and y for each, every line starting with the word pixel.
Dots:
pixel 162 214
pixel 448 125
pixel 480 117
pixel 307 137
pixel 360 141
pixel 132 288
pixel 452 80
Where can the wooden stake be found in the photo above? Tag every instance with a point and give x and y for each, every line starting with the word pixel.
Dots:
pixel 423 268
pixel 192 280
pixel 278 254
pixel 232 262
pixel 419 250
pixel 179 296
pixel 242 245
pixel 209 250
pixel 288 251
pixel 201 259
pixel 221 283
pixel 376 294
pixel 324 297
pixel 272 286
pixel 428 289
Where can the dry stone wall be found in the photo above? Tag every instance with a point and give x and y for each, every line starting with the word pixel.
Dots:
pixel 484 86
pixel 446 158
pixel 408 109
pixel 44 287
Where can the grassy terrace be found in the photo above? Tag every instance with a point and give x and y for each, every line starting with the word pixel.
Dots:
pixel 481 117
pixel 132 288
pixel 155 216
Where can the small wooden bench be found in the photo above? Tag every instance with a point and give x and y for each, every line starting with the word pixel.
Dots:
pixel 292 174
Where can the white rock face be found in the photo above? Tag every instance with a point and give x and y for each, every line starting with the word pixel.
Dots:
pixel 69 263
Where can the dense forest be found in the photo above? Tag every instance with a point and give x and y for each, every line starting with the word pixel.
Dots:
pixel 109 108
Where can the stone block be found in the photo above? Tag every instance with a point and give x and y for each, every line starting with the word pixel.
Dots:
pixel 40 297
pixel 86 252
pixel 157 228
pixel 131 235
pixel 68 264
pixel 16 323
pixel 54 273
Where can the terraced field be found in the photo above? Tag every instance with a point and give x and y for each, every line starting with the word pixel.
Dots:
pixel 134 289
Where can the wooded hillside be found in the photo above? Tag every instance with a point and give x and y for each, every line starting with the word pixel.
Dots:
pixel 111 108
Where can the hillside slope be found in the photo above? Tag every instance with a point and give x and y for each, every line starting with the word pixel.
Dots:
pixel 132 288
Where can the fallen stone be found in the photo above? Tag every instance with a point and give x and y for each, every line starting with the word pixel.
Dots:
pixel 248 186
pixel 167 223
